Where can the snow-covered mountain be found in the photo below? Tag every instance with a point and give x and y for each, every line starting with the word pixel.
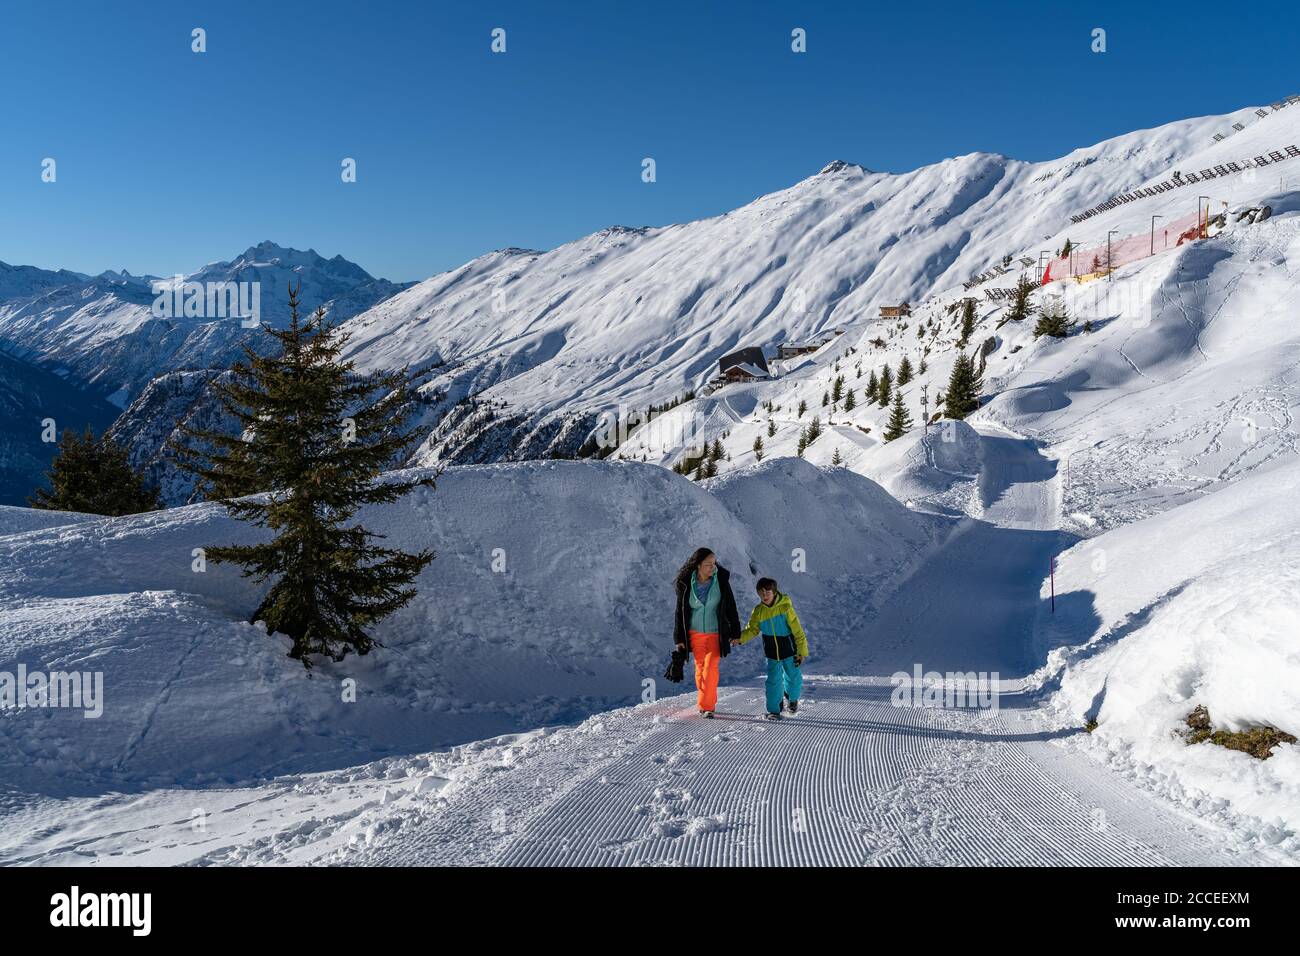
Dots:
pixel 101 331
pixel 641 316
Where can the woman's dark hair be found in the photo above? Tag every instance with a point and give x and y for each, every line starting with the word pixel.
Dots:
pixel 767 584
pixel 688 569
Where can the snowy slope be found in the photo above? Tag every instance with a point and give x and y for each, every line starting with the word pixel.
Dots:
pixel 1196 606
pixel 642 315
pixel 577 615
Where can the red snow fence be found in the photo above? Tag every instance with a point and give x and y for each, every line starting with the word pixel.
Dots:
pixel 1084 264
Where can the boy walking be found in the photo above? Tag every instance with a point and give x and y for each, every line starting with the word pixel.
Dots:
pixel 784 644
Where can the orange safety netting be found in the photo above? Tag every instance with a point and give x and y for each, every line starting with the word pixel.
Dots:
pixel 1084 264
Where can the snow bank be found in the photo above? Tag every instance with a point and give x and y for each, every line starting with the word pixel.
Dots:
pixel 1198 606
pixel 550 599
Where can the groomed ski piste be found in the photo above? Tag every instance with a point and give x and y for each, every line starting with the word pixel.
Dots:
pixel 516 713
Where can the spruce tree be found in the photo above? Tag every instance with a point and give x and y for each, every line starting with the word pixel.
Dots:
pixel 814 429
pixel 771 429
pixel 967 322
pixel 873 387
pixel 964 387
pixel 1053 319
pixel 93 476
pixel 803 407
pixel 314 439
pixel 837 389
pixel 904 371
pixel 758 448
pixel 1020 299
pixel 900 420
pixel 886 383
pixel 850 402
pixel 837 459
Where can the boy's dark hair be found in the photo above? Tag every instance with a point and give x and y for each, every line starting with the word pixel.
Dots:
pixel 767 584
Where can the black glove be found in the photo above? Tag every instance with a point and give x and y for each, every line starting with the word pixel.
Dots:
pixel 676 672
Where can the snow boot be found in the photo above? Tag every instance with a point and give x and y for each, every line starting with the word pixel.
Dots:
pixel 772 716
pixel 793 706
pixel 706 714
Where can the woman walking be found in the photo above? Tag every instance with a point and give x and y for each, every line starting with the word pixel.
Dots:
pixel 706 621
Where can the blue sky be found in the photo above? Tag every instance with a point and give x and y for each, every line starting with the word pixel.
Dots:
pixel 168 159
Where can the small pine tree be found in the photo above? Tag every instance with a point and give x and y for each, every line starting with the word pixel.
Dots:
pixel 803 440
pixel 717 451
pixel 883 392
pixel 1087 325
pixel 964 387
pixel 837 459
pixel 1053 319
pixel 758 448
pixel 850 402
pixel 1020 299
pixel 94 476
pixel 826 399
pixel 771 429
pixel 837 389
pixel 315 441
pixel 803 407
pixel 814 429
pixel 873 387
pixel 967 322
pixel 904 371
pixel 922 368
pixel 900 420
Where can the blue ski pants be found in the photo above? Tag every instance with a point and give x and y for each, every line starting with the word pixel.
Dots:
pixel 783 678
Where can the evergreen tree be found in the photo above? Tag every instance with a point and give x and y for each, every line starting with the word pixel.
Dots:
pixel 837 459
pixel 803 407
pixel 758 448
pixel 900 420
pixel 964 386
pixel 850 402
pixel 803 440
pixel 1053 319
pixel 1066 249
pixel 771 429
pixel 837 389
pixel 923 368
pixel 1020 299
pixel 873 387
pixel 904 371
pixel 826 399
pixel 717 451
pixel 93 476
pixel 967 322
pixel 886 383
pixel 814 429
pixel 315 439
